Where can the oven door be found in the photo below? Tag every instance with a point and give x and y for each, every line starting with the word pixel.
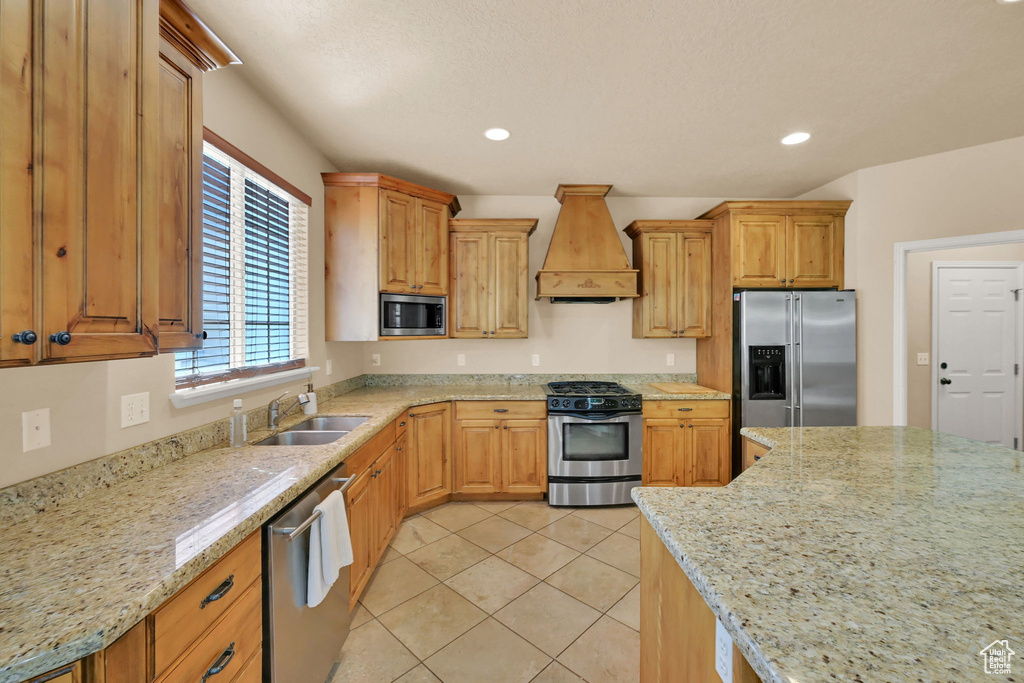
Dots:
pixel 590 445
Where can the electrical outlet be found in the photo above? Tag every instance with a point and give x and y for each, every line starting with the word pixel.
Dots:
pixel 670 359
pixel 922 359
pixel 35 429
pixel 134 409
pixel 375 359
pixel 329 367
pixel 460 359
pixel 535 360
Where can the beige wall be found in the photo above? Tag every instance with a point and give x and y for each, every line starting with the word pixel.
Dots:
pixel 919 319
pixel 967 191
pixel 84 398
pixel 568 337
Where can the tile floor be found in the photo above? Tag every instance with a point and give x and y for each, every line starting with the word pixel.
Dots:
pixel 495 592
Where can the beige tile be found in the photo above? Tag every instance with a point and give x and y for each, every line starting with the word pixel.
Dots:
pixel 492 584
pixel 556 673
pixel 496 506
pixel 431 620
pixel 394 583
pixel 613 518
pixel 576 532
pixel 620 551
pixel 534 515
pixel 447 557
pixel 494 533
pixel 548 618
pixel 421 674
pixel 457 516
pixel 417 532
pixel 372 655
pixel 389 554
pixel 607 653
pixel 595 583
pixel 538 555
pixel 360 615
pixel 489 652
pixel 627 610
pixel 632 529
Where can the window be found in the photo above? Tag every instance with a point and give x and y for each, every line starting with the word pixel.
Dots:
pixel 254 275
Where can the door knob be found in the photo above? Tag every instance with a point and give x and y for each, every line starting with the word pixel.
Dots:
pixel 26 337
pixel 944 380
pixel 62 338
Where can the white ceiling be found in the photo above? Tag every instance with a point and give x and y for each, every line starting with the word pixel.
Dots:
pixel 658 97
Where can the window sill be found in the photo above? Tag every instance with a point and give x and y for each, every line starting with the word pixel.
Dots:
pixel 234 387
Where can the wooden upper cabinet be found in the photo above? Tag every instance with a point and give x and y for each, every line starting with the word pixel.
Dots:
pixel 398 251
pixel 814 251
pixel 759 251
pixel 17 312
pixel 674 258
pixel 490 288
pixel 427 467
pixel 432 248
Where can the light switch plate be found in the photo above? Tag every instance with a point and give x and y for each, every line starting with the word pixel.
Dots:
pixel 35 429
pixel 134 409
pixel 535 360
pixel 375 359
pixel 922 359
pixel 670 359
pixel 460 359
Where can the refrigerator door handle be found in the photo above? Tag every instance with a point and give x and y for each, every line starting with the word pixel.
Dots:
pixel 798 361
pixel 790 362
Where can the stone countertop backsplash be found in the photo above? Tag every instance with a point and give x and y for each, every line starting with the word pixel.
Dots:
pixel 858 553
pixel 87 552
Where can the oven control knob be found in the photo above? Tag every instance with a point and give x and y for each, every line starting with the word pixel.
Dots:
pixel 565 403
pixel 554 403
pixel 581 404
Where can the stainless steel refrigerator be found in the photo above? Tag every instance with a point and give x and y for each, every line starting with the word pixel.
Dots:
pixel 795 361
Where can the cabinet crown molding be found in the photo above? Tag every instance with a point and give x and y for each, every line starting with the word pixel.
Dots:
pixel 183 28
pixel 638 227
pixel 387 182
pixel 790 207
pixel 564 190
pixel 527 225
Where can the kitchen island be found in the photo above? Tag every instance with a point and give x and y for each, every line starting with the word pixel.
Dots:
pixel 856 554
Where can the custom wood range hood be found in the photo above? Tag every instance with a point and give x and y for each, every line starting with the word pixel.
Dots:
pixel 585 262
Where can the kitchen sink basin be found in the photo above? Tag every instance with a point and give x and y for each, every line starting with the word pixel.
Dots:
pixel 303 438
pixel 329 424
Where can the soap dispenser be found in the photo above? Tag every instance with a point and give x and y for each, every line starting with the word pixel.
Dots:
pixel 310 408
pixel 237 422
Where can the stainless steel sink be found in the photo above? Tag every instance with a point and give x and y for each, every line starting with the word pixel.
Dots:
pixel 329 424
pixel 303 438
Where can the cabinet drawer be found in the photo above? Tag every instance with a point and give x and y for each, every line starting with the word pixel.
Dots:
pixel 371 450
pixel 500 410
pixel 685 410
pixel 401 424
pixel 253 671
pixel 183 618
pixel 231 643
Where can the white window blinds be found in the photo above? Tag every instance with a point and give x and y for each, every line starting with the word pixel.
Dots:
pixel 255 276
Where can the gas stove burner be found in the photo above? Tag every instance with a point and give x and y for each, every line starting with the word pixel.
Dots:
pixel 592 397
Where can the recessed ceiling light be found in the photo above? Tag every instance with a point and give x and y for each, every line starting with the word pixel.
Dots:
pixel 796 138
pixel 496 134
pixel 1007 2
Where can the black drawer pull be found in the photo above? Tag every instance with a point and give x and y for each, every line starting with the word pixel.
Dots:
pixel 686 410
pixel 62 338
pixel 401 424
pixel 501 410
pixel 218 592
pixel 756 458
pixel 222 662
pixel 27 337
pixel 412 414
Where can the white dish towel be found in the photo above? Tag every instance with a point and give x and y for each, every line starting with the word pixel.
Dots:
pixel 330 548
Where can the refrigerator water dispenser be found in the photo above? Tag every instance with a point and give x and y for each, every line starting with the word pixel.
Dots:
pixel 767 373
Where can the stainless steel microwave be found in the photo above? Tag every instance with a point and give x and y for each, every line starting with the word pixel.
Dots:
pixel 408 315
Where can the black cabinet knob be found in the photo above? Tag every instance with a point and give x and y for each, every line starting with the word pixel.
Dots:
pixel 945 380
pixel 62 338
pixel 26 337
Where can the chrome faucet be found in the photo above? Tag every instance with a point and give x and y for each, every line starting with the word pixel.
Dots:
pixel 275 413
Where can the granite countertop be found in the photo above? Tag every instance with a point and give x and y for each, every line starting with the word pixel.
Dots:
pixel 652 393
pixel 75 578
pixel 858 553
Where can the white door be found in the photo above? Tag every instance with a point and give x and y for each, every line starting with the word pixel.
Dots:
pixel 976 338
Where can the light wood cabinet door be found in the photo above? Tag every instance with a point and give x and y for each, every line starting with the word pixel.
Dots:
pixel 752 452
pixel 660 297
pixel 401 476
pixel 694 317
pixel 432 248
pixel 384 491
pixel 758 251
pixel 477 456
pixel 429 441
pixel 663 445
pixel 708 454
pixel 97 112
pixel 814 251
pixel 360 525
pixel 509 287
pixel 398 246
pixel 72 673
pixel 470 300
pixel 524 456
pixel 17 312
pixel 179 156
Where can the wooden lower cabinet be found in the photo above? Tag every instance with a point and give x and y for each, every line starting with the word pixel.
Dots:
pixel 252 672
pixel 360 524
pixel 477 456
pixel 677 628
pixel 72 673
pixel 494 455
pixel 752 452
pixel 524 454
pixel 687 451
pixel 429 438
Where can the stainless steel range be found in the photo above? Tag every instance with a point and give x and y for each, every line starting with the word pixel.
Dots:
pixel 594 454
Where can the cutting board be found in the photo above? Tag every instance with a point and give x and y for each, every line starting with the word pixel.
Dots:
pixel 681 388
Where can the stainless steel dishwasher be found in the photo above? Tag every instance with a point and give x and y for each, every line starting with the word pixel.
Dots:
pixel 303 642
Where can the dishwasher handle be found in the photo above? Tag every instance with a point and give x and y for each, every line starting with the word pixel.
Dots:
pixel 294 532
